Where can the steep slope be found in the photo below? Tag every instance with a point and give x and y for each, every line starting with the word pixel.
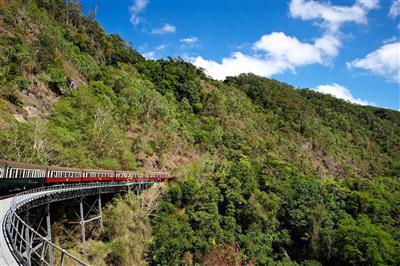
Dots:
pixel 264 171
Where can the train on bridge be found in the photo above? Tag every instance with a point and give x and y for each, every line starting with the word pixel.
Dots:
pixel 23 175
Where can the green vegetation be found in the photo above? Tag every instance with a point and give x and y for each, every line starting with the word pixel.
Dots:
pixel 264 172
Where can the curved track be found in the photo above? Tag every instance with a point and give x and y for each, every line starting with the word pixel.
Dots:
pixel 19 243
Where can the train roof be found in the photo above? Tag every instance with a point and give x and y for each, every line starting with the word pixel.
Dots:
pixel 98 170
pixel 60 168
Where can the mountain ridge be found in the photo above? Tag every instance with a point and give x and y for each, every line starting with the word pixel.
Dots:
pixel 287 174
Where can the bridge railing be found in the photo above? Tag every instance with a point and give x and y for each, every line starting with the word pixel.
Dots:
pixel 21 198
pixel 30 246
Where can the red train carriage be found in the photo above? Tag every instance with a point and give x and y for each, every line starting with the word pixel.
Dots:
pixel 57 174
pixel 92 175
pixel 22 175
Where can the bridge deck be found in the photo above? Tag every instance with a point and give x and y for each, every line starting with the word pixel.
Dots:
pixel 6 256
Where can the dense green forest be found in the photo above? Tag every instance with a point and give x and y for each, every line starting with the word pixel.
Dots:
pixel 264 173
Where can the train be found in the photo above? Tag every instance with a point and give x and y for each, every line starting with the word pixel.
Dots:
pixel 23 175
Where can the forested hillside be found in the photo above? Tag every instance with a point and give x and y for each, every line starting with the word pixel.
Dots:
pixel 263 172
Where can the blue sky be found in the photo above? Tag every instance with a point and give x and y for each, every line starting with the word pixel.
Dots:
pixel 350 49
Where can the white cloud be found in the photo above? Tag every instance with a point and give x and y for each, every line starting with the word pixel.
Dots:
pixel 166 28
pixel 279 46
pixel 394 9
pixel 236 64
pixel 149 55
pixel 273 54
pixel 189 40
pixel 332 17
pixel 135 9
pixel 385 62
pixel 161 47
pixel 341 92
pixel 277 52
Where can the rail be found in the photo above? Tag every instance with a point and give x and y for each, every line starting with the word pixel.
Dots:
pixel 27 244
